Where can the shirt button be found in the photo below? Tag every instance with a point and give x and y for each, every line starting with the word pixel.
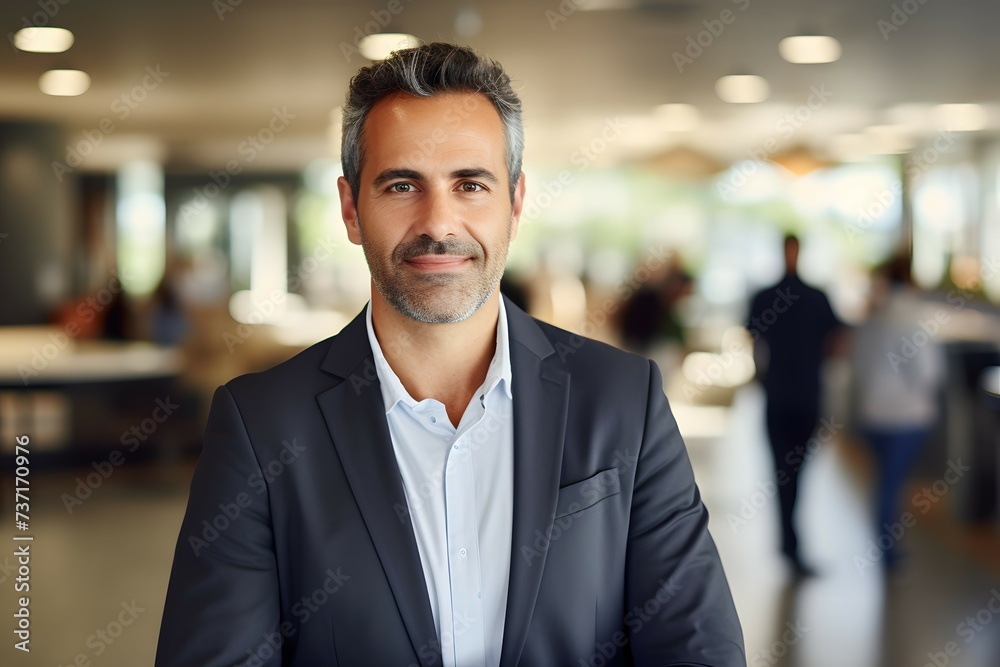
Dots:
pixel 434 419
pixel 463 553
pixel 456 447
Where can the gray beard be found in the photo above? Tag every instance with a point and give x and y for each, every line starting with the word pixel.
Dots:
pixel 404 294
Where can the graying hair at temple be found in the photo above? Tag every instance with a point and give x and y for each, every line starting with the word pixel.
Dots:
pixel 424 71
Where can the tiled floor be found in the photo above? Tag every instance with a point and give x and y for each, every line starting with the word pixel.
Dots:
pixel 109 560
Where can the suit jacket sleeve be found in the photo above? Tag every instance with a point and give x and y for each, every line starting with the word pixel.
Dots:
pixel 222 601
pixel 681 611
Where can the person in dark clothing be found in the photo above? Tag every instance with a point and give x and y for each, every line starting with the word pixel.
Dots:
pixel 791 324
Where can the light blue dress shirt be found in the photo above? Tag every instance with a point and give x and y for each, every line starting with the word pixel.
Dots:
pixel 459 485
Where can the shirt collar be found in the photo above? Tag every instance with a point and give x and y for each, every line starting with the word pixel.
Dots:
pixel 393 390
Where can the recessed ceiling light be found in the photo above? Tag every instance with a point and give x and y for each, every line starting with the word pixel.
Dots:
pixel 809 49
pixel 606 5
pixel 380 45
pixel 678 117
pixel 468 22
pixel 742 88
pixel 64 82
pixel 960 117
pixel 43 40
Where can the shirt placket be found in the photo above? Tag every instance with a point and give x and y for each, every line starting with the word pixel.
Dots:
pixel 463 555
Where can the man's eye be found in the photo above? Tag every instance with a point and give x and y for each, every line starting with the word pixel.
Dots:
pixel 471 187
pixel 400 187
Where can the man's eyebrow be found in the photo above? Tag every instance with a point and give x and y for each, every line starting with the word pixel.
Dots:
pixel 476 172
pixel 392 174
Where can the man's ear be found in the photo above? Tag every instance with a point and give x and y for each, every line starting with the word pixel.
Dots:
pixel 349 210
pixel 518 204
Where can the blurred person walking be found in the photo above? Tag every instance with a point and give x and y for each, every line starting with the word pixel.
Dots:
pixel 649 317
pixel 791 324
pixel 898 368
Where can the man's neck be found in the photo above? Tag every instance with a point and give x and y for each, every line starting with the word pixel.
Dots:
pixel 445 361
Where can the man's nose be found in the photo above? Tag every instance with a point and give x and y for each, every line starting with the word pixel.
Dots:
pixel 438 215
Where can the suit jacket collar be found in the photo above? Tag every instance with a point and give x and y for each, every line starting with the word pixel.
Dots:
pixel 355 416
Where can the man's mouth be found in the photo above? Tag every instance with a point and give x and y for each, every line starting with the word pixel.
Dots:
pixel 437 262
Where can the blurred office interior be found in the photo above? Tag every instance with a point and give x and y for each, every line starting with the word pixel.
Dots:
pixel 169 219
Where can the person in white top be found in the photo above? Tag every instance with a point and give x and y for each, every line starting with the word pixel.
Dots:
pixel 898 369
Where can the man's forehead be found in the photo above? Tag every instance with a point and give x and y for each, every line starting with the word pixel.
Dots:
pixel 451 126
pixel 440 114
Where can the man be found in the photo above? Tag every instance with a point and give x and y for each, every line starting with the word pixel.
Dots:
pixel 791 324
pixel 447 481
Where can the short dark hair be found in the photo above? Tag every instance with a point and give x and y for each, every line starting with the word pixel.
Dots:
pixel 423 71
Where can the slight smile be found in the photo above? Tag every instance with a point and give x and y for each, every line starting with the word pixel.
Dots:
pixel 437 262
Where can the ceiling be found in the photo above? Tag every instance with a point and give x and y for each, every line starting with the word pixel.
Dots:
pixel 230 63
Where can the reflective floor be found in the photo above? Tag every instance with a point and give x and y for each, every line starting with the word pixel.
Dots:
pixel 99 574
pixel 851 614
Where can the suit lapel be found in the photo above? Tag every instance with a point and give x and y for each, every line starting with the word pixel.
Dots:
pixel 355 415
pixel 541 400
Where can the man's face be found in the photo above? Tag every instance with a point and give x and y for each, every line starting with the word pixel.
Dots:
pixel 433 212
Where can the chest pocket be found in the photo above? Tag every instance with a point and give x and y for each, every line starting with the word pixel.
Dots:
pixel 585 493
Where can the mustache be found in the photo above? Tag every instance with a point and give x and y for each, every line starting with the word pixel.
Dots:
pixel 425 245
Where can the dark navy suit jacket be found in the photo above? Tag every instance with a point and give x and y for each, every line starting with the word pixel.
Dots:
pixel 296 547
